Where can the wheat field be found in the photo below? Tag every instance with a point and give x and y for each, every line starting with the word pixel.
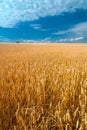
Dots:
pixel 43 87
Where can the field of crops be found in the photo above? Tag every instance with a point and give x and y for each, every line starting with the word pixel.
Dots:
pixel 43 87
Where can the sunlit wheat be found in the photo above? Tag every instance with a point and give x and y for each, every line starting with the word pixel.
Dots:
pixel 43 87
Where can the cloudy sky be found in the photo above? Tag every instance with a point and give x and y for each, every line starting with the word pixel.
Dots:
pixel 43 20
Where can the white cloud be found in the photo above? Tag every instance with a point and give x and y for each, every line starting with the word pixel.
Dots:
pixel 71 39
pixel 78 38
pixel 61 32
pixel 47 39
pixel 79 29
pixel 29 41
pixel 13 11
pixel 36 26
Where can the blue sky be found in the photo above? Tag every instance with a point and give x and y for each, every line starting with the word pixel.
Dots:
pixel 43 20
